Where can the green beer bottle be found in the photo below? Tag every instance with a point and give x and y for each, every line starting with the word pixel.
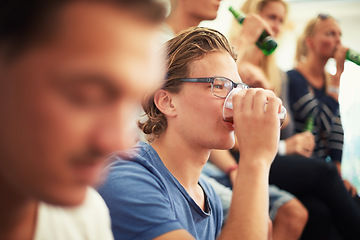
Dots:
pixel 353 56
pixel 265 42
pixel 309 123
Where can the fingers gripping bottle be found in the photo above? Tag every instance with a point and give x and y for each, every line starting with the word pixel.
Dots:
pixel 353 56
pixel 265 42
pixel 309 123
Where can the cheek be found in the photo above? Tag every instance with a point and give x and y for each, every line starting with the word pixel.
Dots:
pixel 58 128
pixel 207 111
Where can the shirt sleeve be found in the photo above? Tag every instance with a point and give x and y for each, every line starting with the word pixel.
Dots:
pixel 138 202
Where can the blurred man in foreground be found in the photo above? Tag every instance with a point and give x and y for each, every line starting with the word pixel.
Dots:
pixel 71 73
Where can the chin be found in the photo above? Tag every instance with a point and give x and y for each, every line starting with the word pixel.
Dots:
pixel 225 144
pixel 66 198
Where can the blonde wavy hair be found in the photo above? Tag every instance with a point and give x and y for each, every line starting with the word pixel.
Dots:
pixel 302 50
pixel 310 28
pixel 268 65
pixel 191 44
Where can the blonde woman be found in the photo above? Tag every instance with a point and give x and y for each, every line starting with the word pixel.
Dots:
pixel 318 89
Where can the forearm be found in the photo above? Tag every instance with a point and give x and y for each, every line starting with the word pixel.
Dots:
pixel 248 216
pixel 222 159
pixel 332 89
pixel 338 166
pixel 241 44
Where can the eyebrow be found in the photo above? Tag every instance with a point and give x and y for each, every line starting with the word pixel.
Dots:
pixel 84 79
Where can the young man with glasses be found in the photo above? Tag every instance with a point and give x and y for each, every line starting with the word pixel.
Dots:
pixel 155 191
pixel 285 210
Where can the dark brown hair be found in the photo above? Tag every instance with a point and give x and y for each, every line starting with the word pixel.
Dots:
pixel 23 22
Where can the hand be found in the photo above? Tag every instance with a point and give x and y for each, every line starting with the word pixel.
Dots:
pixel 352 190
pixel 301 143
pixel 334 81
pixel 253 26
pixel 339 56
pixel 257 130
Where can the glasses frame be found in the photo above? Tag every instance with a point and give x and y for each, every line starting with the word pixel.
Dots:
pixel 211 81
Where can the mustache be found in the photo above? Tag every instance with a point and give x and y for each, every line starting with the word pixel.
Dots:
pixel 89 156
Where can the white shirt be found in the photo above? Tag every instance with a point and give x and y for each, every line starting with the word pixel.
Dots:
pixel 90 221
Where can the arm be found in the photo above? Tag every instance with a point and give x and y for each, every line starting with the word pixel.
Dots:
pixel 300 143
pixel 251 29
pixel 139 203
pixel 352 190
pixel 257 133
pixel 334 81
pixel 225 161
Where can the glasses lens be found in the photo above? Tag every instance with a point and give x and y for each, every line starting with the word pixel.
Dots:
pixel 221 87
pixel 242 86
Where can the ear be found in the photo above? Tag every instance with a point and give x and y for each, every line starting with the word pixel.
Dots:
pixel 309 42
pixel 164 102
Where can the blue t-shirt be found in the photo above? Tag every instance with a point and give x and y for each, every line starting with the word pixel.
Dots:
pixel 146 200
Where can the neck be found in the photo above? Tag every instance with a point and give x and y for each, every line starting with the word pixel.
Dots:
pixel 314 70
pixel 178 20
pixel 18 214
pixel 183 159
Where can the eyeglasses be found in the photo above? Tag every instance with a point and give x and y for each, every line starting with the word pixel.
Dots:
pixel 323 16
pixel 220 86
pixel 320 17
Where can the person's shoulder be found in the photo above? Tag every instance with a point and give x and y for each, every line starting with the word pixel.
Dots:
pixel 293 74
pixel 296 79
pixel 139 157
pixel 136 152
pixel 93 208
pixel 93 199
pixel 90 220
pixel 132 171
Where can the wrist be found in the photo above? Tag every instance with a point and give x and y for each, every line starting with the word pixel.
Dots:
pixel 242 43
pixel 282 148
pixel 333 89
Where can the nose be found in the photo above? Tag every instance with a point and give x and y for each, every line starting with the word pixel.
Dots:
pixel 338 38
pixel 276 26
pixel 117 131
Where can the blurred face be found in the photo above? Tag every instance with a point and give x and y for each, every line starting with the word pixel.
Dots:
pixel 68 104
pixel 274 14
pixel 202 9
pixel 199 112
pixel 326 38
